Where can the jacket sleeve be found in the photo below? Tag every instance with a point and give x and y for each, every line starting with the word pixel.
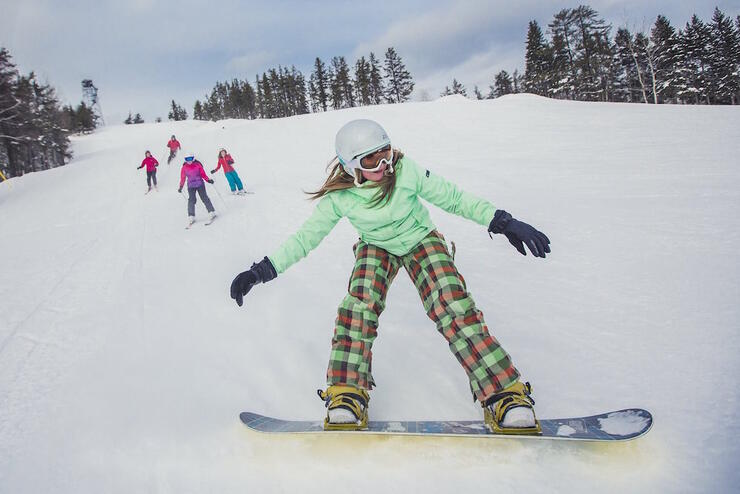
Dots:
pixel 156 163
pixel 448 196
pixel 323 219
pixel 203 173
pixel 218 166
pixel 182 176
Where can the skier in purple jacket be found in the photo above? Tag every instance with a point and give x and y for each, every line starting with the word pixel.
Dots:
pixel 193 171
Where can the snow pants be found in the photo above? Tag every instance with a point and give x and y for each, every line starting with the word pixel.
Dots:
pixel 151 177
pixel 446 302
pixel 234 182
pixel 203 197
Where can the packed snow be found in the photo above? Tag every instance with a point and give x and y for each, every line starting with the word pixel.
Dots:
pixel 124 364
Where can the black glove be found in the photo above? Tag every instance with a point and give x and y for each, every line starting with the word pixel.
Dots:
pixel 260 272
pixel 210 180
pixel 520 233
pixel 180 190
pixel 140 167
pixel 213 171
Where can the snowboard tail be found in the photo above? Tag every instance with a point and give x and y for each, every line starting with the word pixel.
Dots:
pixel 618 425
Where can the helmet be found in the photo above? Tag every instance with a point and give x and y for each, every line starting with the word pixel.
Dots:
pixel 359 138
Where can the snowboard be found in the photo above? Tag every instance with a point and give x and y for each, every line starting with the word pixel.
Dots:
pixel 619 425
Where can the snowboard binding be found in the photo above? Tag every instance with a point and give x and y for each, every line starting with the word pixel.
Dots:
pixel 497 406
pixel 346 408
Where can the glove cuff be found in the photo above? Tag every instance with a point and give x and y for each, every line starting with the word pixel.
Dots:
pixel 264 270
pixel 499 222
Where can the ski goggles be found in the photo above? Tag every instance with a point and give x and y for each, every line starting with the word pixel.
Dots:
pixel 374 161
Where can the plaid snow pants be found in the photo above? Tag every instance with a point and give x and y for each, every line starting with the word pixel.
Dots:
pixel 446 301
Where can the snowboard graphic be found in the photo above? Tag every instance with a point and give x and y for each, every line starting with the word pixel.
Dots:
pixel 619 425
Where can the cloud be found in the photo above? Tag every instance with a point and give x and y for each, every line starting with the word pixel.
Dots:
pixel 250 64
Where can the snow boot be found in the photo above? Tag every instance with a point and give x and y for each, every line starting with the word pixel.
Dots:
pixel 212 215
pixel 511 411
pixel 191 220
pixel 346 408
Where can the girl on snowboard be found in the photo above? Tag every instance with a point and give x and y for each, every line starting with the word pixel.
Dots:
pixel 226 161
pixel 193 171
pixel 379 190
pixel 151 165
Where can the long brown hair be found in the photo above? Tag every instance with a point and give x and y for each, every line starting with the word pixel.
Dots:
pixel 340 179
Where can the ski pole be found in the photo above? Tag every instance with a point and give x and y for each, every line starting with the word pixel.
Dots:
pixel 220 196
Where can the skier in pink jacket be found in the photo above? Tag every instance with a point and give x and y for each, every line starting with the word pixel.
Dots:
pixel 151 164
pixel 193 171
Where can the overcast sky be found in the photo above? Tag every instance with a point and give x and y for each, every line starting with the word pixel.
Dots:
pixel 142 53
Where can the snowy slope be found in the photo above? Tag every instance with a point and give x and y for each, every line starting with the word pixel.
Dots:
pixel 124 364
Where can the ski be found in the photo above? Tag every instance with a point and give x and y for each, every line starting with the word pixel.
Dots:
pixel 618 425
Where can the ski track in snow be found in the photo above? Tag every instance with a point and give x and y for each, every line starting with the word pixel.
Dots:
pixel 124 364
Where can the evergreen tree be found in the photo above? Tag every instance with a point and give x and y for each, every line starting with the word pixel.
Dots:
pixel 592 54
pixel 724 67
pixel 516 82
pixel 458 88
pixel 129 120
pixel 84 118
pixel 361 82
pixel 399 83
pixel 663 38
pixel 342 94
pixel 631 77
pixel 319 84
pixel 260 98
pixel 34 127
pixel 375 87
pixel 299 100
pixel 198 111
pixel 563 76
pixel 138 119
pixel 478 94
pixel 502 85
pixel 446 92
pixel 538 61
pixel 177 112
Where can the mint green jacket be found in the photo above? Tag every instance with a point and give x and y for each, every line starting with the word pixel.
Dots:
pixel 396 226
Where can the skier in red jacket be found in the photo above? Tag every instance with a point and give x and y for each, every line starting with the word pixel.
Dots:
pixel 151 164
pixel 174 145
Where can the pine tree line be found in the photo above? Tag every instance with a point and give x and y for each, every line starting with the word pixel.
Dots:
pixel 581 61
pixel 284 92
pixel 34 127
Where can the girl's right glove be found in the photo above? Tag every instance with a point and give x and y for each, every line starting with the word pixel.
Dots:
pixel 519 233
pixel 260 272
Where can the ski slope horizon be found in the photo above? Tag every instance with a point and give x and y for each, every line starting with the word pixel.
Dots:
pixel 124 364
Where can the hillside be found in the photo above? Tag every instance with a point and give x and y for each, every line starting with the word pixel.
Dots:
pixel 124 363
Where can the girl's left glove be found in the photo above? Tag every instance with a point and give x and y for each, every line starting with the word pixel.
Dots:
pixel 260 272
pixel 520 233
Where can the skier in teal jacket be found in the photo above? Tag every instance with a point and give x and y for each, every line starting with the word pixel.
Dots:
pixel 378 190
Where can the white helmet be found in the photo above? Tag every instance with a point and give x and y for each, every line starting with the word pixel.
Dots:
pixel 359 138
